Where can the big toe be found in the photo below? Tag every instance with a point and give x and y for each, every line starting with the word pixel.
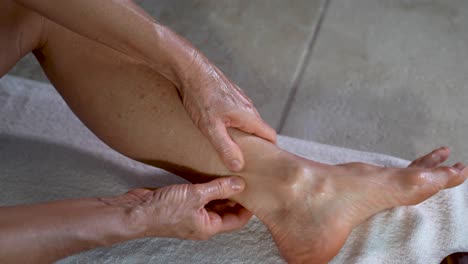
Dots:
pixel 417 185
pixel 461 176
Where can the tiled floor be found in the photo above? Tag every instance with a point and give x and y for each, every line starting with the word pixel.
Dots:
pixel 388 76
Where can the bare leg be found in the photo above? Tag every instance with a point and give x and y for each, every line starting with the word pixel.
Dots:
pixel 309 207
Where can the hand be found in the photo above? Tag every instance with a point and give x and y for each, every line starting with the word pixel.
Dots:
pixel 187 211
pixel 214 103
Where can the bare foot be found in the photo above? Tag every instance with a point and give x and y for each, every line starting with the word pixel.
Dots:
pixel 324 203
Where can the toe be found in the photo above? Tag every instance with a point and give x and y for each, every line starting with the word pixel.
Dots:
pixel 444 177
pixel 459 166
pixel 459 178
pixel 441 178
pixel 432 159
pixel 417 185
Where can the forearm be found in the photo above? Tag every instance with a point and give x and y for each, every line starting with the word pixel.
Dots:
pixel 43 233
pixel 122 26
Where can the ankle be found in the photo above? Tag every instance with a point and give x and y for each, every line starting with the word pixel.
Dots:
pixel 285 181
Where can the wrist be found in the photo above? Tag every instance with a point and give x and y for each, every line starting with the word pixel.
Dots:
pixel 134 223
pixel 177 60
pixel 124 218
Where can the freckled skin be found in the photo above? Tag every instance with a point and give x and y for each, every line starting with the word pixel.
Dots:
pixel 310 208
pixel 211 100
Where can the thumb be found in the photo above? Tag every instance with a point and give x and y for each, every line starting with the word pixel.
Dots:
pixel 221 188
pixel 227 149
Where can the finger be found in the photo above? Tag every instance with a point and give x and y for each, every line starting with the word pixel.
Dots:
pixel 230 220
pixel 221 188
pixel 257 126
pixel 432 159
pixel 269 133
pixel 227 149
pixel 265 131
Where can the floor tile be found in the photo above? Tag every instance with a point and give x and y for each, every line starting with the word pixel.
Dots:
pixel 388 76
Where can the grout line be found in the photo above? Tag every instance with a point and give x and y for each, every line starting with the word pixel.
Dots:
pixel 302 65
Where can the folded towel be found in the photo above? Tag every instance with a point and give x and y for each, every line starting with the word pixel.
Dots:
pixel 46 153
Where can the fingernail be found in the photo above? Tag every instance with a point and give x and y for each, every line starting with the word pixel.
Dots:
pixel 235 165
pixel 236 184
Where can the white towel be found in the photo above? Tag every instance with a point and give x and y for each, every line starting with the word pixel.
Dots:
pixel 46 153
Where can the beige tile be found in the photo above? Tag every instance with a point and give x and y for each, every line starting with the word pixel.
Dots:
pixel 389 76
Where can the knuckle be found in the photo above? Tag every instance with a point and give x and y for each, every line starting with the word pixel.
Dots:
pixel 417 178
pixel 227 118
pixel 227 151
pixel 209 106
pixel 209 122
pixel 197 192
pixel 228 154
pixel 226 148
pixel 250 107
pixel 221 187
pixel 199 121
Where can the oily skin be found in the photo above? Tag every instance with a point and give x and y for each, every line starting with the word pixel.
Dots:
pixel 310 208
